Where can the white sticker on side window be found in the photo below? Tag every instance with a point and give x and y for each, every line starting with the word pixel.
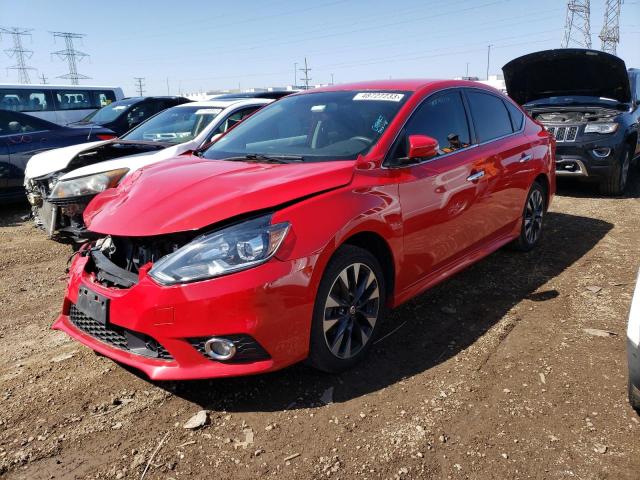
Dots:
pixel 379 96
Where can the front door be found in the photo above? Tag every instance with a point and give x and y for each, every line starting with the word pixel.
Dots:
pixel 441 196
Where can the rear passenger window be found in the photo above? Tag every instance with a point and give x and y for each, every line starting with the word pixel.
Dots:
pixel 73 99
pixel 490 116
pixel 517 117
pixel 24 100
pixel 443 117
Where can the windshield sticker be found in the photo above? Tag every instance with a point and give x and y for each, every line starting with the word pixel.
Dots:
pixel 208 111
pixel 120 107
pixel 380 124
pixel 318 108
pixel 379 96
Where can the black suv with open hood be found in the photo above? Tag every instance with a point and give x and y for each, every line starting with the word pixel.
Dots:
pixel 590 103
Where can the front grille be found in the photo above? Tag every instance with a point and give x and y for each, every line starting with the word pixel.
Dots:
pixel 119 337
pixel 247 348
pixel 564 134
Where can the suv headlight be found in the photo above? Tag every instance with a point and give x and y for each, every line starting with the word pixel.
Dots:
pixel 601 128
pixel 231 249
pixel 89 185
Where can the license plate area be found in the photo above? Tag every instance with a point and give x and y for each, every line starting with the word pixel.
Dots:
pixel 93 305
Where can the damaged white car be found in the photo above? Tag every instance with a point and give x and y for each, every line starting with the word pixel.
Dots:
pixel 60 183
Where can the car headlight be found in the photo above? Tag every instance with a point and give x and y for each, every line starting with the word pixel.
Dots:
pixel 231 249
pixel 89 185
pixel 601 128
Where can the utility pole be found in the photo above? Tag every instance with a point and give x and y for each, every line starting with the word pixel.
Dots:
pixel 467 75
pixel 139 85
pixel 19 52
pixel 306 77
pixel 577 28
pixel 168 86
pixel 332 79
pixel 610 33
pixel 488 58
pixel 71 55
pixel 295 73
pixel 44 79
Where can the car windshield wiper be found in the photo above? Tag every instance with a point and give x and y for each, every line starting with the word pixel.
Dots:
pixel 261 158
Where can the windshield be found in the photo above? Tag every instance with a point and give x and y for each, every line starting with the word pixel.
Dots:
pixel 573 100
pixel 315 126
pixel 109 113
pixel 175 125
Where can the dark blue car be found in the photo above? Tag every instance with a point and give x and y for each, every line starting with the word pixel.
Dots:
pixel 22 136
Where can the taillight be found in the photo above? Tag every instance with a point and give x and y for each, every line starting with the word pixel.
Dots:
pixel 105 136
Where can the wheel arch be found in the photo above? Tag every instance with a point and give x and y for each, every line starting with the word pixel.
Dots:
pixel 543 180
pixel 375 244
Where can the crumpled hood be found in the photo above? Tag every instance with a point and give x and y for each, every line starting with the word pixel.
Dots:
pixel 189 194
pixel 56 159
pixel 567 72
pixel 132 162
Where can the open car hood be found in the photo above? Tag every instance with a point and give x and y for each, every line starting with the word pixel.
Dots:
pixel 567 72
pixel 187 194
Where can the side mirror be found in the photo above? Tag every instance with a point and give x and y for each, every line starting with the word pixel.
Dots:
pixel 421 146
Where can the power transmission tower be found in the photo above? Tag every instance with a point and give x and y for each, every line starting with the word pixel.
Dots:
pixel 610 33
pixel 44 79
pixel 306 77
pixel 139 85
pixel 71 55
pixel 577 29
pixel 19 52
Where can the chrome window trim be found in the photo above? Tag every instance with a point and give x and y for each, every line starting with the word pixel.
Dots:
pixel 470 147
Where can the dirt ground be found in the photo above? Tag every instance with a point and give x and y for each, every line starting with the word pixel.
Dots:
pixel 490 375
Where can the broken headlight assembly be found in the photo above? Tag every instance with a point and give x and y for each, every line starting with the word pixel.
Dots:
pixel 231 249
pixel 601 128
pixel 88 185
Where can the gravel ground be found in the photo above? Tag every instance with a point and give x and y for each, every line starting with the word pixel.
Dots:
pixel 490 375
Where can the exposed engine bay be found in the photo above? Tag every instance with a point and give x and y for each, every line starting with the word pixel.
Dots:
pixel 65 215
pixel 566 124
pixel 118 261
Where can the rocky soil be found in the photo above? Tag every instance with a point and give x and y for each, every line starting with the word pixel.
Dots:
pixel 513 369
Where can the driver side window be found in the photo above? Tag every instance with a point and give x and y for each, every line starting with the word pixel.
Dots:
pixel 442 117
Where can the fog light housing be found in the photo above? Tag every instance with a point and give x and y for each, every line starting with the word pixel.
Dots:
pixel 602 152
pixel 220 348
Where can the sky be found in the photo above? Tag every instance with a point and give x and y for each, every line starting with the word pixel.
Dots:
pixel 189 46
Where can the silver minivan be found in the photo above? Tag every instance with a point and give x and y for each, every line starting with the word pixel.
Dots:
pixel 61 104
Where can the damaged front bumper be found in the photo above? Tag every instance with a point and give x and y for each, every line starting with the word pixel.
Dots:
pixel 266 311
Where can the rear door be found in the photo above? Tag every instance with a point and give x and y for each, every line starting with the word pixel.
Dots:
pixel 508 155
pixel 22 136
pixel 440 196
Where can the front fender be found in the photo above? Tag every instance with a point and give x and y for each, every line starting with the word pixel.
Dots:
pixel 321 224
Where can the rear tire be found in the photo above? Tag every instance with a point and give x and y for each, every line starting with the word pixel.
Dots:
pixel 349 308
pixel 634 397
pixel 532 218
pixel 616 182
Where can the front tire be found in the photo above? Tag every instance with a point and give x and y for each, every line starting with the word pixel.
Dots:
pixel 348 310
pixel 616 181
pixel 532 218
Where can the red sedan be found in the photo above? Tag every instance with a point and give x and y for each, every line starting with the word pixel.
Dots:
pixel 290 236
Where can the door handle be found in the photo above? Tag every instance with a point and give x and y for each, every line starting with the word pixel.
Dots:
pixel 475 176
pixel 525 157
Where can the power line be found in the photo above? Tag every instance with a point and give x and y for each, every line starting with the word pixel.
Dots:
pixel 610 33
pixel 577 29
pixel 71 55
pixel 306 77
pixel 19 52
pixel 44 79
pixel 140 85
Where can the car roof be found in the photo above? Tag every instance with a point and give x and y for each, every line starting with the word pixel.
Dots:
pixel 225 103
